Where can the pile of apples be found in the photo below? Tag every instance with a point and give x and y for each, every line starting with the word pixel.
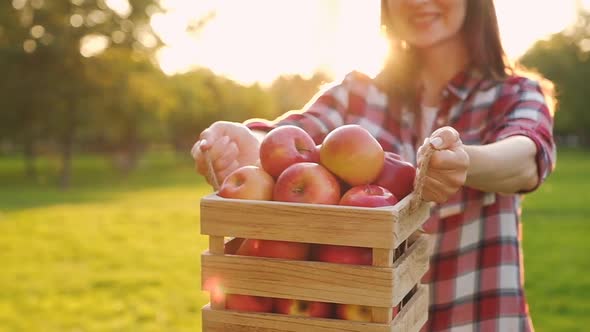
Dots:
pixel 349 168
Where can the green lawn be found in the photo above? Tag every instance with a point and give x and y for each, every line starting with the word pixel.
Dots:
pixel 122 254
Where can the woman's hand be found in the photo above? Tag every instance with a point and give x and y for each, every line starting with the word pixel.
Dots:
pixel 448 165
pixel 229 146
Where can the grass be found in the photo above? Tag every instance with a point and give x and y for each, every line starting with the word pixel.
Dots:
pixel 112 254
pixel 556 247
pixel 122 253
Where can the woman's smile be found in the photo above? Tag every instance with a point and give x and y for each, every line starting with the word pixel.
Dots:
pixel 423 20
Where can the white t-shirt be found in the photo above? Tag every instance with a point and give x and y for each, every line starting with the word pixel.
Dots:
pixel 428 117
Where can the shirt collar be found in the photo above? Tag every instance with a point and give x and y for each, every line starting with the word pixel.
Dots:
pixel 464 83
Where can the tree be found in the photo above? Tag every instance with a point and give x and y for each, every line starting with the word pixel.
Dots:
pixel 293 92
pixel 131 100
pixel 564 58
pixel 50 44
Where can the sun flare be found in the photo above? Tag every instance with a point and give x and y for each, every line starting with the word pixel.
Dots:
pixel 258 40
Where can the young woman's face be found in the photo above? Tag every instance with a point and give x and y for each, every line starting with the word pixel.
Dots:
pixel 425 23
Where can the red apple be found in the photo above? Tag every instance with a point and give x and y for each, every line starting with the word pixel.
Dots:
pixel 303 308
pixel 368 196
pixel 307 183
pixel 359 313
pixel 316 153
pixel 248 182
pixel 352 154
pixel 285 146
pixel 397 176
pixel 232 246
pixel 275 249
pixel 248 303
pixel 342 254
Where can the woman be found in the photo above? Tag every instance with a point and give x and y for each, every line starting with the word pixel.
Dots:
pixel 493 136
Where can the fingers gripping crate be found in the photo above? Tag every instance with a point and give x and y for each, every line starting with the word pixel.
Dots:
pixel 380 286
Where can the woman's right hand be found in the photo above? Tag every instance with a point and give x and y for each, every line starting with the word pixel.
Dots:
pixel 229 146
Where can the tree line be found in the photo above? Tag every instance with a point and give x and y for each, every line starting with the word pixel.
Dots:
pixel 59 96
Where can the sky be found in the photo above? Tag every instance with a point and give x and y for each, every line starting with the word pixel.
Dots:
pixel 258 40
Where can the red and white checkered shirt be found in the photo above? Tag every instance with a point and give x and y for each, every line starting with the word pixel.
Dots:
pixel 476 275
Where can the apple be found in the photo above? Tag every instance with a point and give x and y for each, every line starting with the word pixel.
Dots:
pixel 232 246
pixel 352 154
pixel 368 196
pixel 397 176
pixel 248 303
pixel 342 254
pixel 359 313
pixel 303 308
pixel 275 249
pixel 247 182
pixel 316 153
pixel 285 146
pixel 307 183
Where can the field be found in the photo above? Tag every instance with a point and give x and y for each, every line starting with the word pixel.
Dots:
pixel 121 253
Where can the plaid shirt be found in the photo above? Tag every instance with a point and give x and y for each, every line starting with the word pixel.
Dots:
pixel 476 275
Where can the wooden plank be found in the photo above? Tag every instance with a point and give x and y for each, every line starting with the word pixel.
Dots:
pixel 318 281
pixel 310 223
pixel 382 315
pixel 304 280
pixel 383 257
pixel 409 221
pixel 415 313
pixel 385 227
pixel 411 266
pixel 216 244
pixel 411 318
pixel 226 321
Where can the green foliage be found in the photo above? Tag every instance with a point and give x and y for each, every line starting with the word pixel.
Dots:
pixel 56 97
pixel 292 92
pixel 564 58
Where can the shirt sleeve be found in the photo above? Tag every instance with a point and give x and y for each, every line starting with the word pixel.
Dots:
pixel 525 112
pixel 326 111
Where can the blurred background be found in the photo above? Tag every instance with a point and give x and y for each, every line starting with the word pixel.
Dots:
pixel 101 101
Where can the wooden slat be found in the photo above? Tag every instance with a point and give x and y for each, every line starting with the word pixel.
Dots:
pixel 410 319
pixel 226 321
pixel 410 267
pixel 383 257
pixel 318 281
pixel 415 313
pixel 216 244
pixel 384 227
pixel 409 221
pixel 304 280
pixel 311 223
pixel 381 315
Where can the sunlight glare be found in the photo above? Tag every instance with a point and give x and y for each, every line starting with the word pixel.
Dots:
pixel 258 40
pixel 121 7
pixel 93 44
pixel 544 17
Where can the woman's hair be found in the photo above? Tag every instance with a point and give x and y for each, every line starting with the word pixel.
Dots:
pixel 482 36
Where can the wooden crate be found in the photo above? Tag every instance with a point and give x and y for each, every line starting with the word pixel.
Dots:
pixel 380 286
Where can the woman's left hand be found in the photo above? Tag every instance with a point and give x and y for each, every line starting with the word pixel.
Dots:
pixel 448 165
